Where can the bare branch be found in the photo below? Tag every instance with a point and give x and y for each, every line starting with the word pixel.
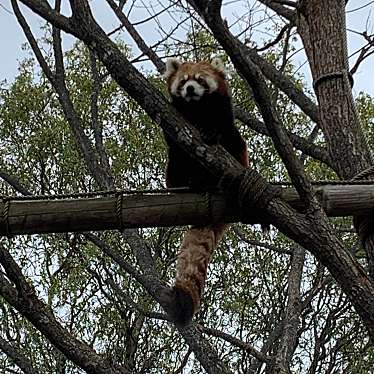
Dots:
pixel 137 38
pixel 276 40
pixel 257 243
pixel 14 182
pixel 365 52
pixel 298 142
pixel 278 7
pixel 288 338
pixel 183 363
pixel 44 10
pixel 236 342
pixel 284 84
pixel 95 120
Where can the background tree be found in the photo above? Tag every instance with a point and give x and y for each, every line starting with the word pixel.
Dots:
pixel 300 299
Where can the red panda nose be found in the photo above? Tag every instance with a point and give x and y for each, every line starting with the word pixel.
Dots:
pixel 190 90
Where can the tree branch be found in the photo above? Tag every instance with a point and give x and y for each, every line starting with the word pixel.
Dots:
pixel 58 82
pixel 17 356
pixel 288 338
pixel 298 142
pixel 95 120
pixel 23 298
pixel 136 37
pixel 276 40
pixel 278 7
pixel 235 342
pixel 202 349
pixel 14 182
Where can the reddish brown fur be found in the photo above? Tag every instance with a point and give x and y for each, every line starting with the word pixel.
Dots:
pixel 203 67
pixel 212 116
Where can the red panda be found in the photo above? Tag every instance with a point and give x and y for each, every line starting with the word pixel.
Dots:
pixel 199 91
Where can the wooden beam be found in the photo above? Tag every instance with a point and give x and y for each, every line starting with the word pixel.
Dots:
pixel 18 217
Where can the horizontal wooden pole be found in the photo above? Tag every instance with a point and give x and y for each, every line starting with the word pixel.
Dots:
pixel 156 210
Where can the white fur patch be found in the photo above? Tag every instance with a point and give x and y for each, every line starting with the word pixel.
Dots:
pixel 174 87
pixel 218 65
pixel 172 65
pixel 212 84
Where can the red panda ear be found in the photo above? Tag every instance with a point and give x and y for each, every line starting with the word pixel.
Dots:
pixel 218 65
pixel 172 65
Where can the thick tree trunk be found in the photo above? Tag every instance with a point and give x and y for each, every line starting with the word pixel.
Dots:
pixel 322 28
pixel 321 25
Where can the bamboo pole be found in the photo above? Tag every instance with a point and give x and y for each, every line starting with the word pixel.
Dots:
pixel 19 217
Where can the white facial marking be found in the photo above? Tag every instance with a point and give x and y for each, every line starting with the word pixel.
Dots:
pixel 174 87
pixel 218 64
pixel 192 91
pixel 212 84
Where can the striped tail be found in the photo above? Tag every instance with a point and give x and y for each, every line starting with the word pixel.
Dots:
pixel 194 256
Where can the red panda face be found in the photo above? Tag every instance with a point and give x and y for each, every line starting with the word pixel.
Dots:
pixel 191 81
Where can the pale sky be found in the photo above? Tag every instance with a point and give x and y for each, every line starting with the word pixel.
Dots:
pixel 12 38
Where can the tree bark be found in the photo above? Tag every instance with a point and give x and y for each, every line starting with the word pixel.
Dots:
pixel 22 296
pixel 321 25
pixel 322 28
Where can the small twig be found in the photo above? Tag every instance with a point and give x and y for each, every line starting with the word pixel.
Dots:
pixel 236 342
pixel 276 40
pixel 261 244
pixel 136 36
